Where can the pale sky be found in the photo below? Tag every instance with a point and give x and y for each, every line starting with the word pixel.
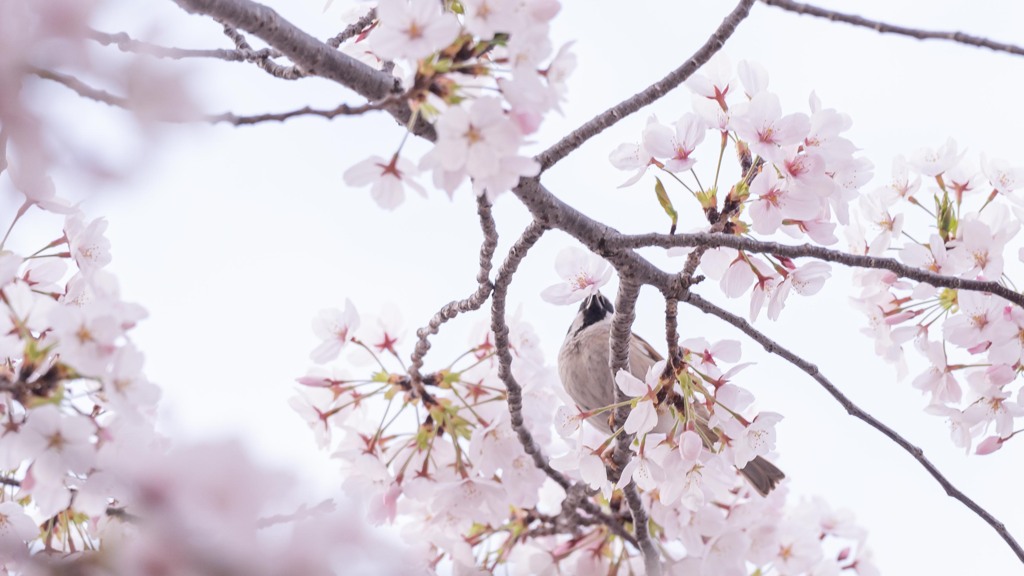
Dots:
pixel 233 239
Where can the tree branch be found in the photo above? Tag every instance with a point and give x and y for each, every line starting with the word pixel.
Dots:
pixel 264 62
pixel 311 55
pixel 126 43
pixel 619 343
pixel 611 116
pixel 773 347
pixel 353 29
pixel 340 110
pixel 883 28
pixel 515 392
pixel 456 307
pixel 811 251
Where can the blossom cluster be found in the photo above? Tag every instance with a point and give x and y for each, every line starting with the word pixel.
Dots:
pixel 798 175
pixel 437 455
pixel 485 77
pixel 942 213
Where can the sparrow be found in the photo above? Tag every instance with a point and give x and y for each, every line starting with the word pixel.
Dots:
pixel 583 367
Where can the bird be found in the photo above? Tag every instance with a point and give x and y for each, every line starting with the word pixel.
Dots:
pixel 583 366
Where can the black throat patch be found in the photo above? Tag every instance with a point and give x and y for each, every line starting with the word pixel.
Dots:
pixel 594 309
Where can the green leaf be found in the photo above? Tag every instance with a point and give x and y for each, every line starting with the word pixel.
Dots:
pixel 666 203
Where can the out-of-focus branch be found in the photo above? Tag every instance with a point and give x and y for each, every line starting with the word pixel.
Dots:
pixel 340 110
pixel 86 91
pixel 82 89
pixel 810 251
pixel 882 27
pixel 310 55
pixel 456 307
pixel 126 43
pixel 609 117
pixel 773 347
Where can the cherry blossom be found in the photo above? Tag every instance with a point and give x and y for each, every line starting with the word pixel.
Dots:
pixel 676 145
pixel 766 130
pixel 412 29
pixel 776 201
pixel 387 179
pixel 481 142
pixel 1003 177
pixel 333 327
pixel 584 274
pixel 935 161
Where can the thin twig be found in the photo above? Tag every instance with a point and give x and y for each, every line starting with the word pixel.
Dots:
pixel 82 89
pixel 86 91
pixel 456 307
pixel 340 110
pixel 611 116
pixel 265 63
pixel 515 392
pixel 819 252
pixel 882 27
pixel 313 57
pixel 773 347
pixel 619 343
pixel 126 43
pixel 353 29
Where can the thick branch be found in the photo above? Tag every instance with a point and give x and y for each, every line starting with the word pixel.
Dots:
pixel 882 27
pixel 774 347
pixel 309 54
pixel 811 251
pixel 619 343
pixel 611 116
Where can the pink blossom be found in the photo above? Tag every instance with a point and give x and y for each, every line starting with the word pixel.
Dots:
pixel 776 201
pixel 758 439
pixel 481 142
pixel 713 79
pixel 1003 177
pixel 89 248
pixel 935 161
pixel 387 179
pixel 938 380
pixel 412 29
pixel 583 273
pixel 989 445
pixel 979 321
pixel 676 145
pixel 931 257
pixel 753 76
pixel 979 250
pixel 632 156
pixel 16 529
pixel 766 130
pixel 333 326
pixel 901 186
pixel 807 280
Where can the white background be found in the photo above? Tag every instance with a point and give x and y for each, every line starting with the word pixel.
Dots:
pixel 233 239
